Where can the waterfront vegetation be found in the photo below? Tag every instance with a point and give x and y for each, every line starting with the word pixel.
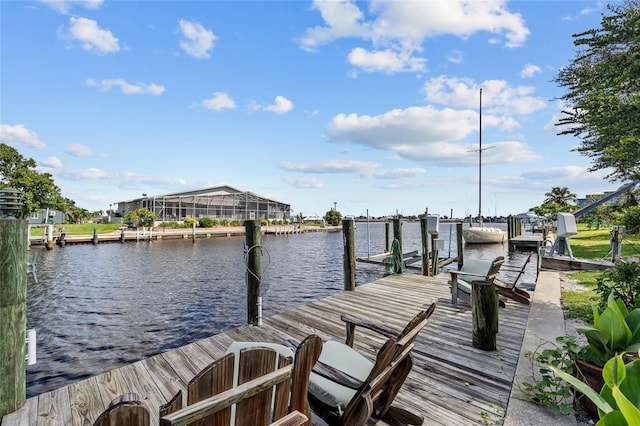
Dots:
pixel 592 244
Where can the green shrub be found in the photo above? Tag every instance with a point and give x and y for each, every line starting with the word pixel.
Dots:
pixel 623 281
pixel 224 222
pixel 172 224
pixel 235 222
pixel 631 220
pixel 206 222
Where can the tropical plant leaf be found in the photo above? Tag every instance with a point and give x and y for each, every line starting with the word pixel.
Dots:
pixel 600 402
pixel 612 322
pixel 631 384
pixel 614 418
pixel 614 371
pixel 630 412
pixel 633 322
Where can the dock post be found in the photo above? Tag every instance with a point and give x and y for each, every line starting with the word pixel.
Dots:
pixel 484 312
pixel 253 241
pixel 94 239
pixel 13 314
pixel 459 244
pixel 387 248
pixel 424 234
pixel 349 259
pixel 397 232
pixel 50 242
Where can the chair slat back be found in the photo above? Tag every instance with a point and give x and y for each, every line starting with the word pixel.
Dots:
pixel 212 380
pixel 494 269
pixel 269 389
pixel 393 364
pixel 126 410
pixel 256 410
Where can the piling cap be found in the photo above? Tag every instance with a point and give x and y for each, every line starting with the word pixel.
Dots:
pixel 10 201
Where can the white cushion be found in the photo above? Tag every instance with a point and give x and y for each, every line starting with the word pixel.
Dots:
pixel 343 358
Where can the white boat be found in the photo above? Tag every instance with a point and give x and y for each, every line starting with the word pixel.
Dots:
pixel 482 234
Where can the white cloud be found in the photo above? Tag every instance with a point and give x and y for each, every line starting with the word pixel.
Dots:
pixel 446 136
pixel 126 88
pixel 397 29
pixel 530 70
pixel 65 6
pixel 92 38
pixel 281 106
pixel 363 169
pixel 385 61
pixel 53 162
pixel 455 56
pixel 19 135
pixel 219 101
pixel 78 150
pixel 334 166
pixel 498 97
pixel 307 183
pixel 197 41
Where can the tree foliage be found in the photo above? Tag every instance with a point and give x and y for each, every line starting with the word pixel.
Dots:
pixel 38 189
pixel 561 196
pixel 603 93
pixel 142 217
pixel 332 217
pixel 557 200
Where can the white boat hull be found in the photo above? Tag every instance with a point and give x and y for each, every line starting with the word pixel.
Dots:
pixel 482 235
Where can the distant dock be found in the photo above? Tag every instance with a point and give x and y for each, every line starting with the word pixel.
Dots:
pixel 157 234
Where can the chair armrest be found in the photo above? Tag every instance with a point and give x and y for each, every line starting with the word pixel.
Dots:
pixel 454 274
pixel 352 321
pixel 337 376
pixel 295 418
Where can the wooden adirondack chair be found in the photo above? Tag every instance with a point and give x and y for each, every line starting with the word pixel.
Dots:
pixel 473 270
pixel 271 389
pixel 125 410
pixel 510 289
pixel 347 388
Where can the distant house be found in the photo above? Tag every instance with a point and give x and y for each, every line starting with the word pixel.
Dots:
pixel 46 216
pixel 590 198
pixel 220 202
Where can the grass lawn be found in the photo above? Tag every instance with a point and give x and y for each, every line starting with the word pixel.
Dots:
pixel 592 244
pixel 87 228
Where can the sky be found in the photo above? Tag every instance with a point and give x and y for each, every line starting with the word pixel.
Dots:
pixel 368 107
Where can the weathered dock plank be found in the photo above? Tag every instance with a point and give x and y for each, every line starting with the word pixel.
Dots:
pixel 451 383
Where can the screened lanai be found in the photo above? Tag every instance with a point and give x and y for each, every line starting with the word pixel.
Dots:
pixel 222 202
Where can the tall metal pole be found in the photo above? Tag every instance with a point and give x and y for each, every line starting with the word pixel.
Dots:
pixel 480 167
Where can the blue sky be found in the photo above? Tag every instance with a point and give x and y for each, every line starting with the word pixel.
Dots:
pixel 370 105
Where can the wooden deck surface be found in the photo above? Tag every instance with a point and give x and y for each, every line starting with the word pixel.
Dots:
pixel 451 383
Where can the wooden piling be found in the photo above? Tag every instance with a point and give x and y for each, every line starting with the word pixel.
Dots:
pixel 13 314
pixel 484 313
pixel 424 234
pixel 253 241
pixel 459 244
pixel 397 232
pixel 387 247
pixel 349 258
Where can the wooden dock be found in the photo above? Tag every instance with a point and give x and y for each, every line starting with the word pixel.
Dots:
pixel 526 242
pixel 451 383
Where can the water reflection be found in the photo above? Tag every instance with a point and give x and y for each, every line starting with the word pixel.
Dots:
pixel 99 307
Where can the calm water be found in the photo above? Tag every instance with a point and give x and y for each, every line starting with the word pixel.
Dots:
pixel 100 307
